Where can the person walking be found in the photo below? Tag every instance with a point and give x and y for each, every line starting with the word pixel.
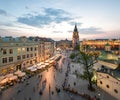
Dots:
pixel 49 88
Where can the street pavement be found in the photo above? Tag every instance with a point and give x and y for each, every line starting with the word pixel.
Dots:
pixel 53 78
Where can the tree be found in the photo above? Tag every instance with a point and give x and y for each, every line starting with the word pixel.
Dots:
pixel 88 61
pixel 77 47
pixel 72 56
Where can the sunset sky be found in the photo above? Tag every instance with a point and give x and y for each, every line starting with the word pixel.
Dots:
pixel 56 18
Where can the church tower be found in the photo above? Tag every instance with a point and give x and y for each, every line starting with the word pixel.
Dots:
pixel 75 37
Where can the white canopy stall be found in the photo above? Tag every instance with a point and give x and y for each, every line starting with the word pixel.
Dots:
pixel 5 80
pixel 19 73
pixel 13 78
pixel 2 77
pixel 41 63
pixel 34 66
pixel 33 69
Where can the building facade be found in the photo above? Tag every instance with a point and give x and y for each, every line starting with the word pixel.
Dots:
pixel 101 44
pixel 17 53
pixel 75 38
pixel 64 44
pixel 22 52
pixel 109 84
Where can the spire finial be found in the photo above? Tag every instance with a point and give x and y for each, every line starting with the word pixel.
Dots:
pixel 75 29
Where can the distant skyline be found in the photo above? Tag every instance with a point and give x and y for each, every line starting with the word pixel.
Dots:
pixel 56 18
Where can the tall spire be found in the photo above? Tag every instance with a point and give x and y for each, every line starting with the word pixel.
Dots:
pixel 75 29
pixel 75 37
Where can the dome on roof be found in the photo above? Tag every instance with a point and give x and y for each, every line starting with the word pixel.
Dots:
pixel 107 56
pixel 107 44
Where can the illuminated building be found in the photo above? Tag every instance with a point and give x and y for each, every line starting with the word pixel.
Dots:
pixel 21 52
pixel 101 44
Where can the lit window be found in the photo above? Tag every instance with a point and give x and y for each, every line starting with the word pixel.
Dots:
pixel 23 49
pixel 19 50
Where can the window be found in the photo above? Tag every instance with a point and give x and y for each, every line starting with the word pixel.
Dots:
pixel 10 59
pixel 107 86
pixel 27 49
pixel 35 54
pixel 4 51
pixel 23 49
pixel 115 91
pixel 18 57
pixel 31 49
pixel 27 55
pixel 30 62
pixel 101 82
pixel 4 60
pixel 19 50
pixel 11 51
pixel 31 55
pixel 23 56
pixel 35 48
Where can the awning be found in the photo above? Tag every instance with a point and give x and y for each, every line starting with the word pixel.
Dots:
pixel 46 64
pixel 13 78
pixel 8 75
pixel 2 77
pixel 5 80
pixel 47 61
pixel 52 61
pixel 19 73
pixel 41 63
pixel 29 68
pixel 39 67
pixel 33 69
pixel 43 66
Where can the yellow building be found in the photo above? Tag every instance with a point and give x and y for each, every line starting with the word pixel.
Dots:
pixel 22 52
pixel 101 44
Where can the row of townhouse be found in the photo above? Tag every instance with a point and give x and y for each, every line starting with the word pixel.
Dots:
pixel 21 52
pixel 101 45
